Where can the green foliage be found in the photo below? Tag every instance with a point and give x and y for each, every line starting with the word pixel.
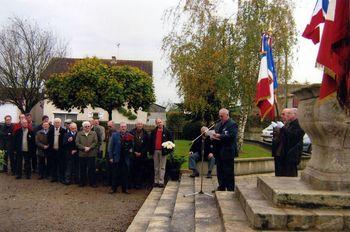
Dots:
pixel 2 155
pixel 175 120
pixel 126 113
pixel 191 130
pixel 92 82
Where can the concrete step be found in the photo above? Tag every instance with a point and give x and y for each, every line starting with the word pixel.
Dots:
pixel 264 215
pixel 183 216
pixel 161 219
pixel 207 217
pixel 145 213
pixel 300 194
pixel 231 212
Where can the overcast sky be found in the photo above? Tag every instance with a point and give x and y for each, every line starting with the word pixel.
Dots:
pixel 94 28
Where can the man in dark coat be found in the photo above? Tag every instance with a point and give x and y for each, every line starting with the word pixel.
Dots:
pixel 56 153
pixel 6 133
pixel 293 145
pixel 158 136
pixel 225 138
pixel 42 144
pixel 278 140
pixel 24 141
pixel 72 157
pixel 138 159
pixel 120 150
pixel 201 147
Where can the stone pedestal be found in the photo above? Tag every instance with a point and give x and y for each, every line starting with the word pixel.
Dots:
pixel 329 129
pixel 320 199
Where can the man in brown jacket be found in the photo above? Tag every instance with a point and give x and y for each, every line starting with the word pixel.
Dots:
pixel 87 144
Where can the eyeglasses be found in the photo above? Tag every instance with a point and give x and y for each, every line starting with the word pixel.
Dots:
pixel 86 126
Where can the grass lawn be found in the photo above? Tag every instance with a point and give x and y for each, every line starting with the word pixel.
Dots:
pixel 248 151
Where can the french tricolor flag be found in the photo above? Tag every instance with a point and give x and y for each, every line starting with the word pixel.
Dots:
pixel 324 10
pixel 267 81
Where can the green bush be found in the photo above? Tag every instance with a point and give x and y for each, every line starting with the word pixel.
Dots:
pixel 191 130
pixel 2 154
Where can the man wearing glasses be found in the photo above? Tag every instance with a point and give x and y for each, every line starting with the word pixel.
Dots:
pixel 225 149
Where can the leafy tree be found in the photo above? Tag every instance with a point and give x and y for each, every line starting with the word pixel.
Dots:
pixel 92 82
pixel 25 52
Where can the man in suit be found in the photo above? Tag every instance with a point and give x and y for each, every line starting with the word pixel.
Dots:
pixel 120 150
pixel 293 146
pixel 56 156
pixel 24 141
pixel 158 136
pixel 72 157
pixel 42 143
pixel 7 144
pixel 139 156
pixel 225 139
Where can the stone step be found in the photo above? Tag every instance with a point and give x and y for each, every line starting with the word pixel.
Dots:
pixel 300 194
pixel 207 217
pixel 183 216
pixel 145 213
pixel 162 215
pixel 231 212
pixel 264 215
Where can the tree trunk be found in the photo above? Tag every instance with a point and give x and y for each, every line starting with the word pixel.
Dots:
pixel 109 114
pixel 241 127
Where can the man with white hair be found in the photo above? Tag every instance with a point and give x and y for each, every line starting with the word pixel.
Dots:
pixel 225 146
pixel 138 159
pixel 71 152
pixel 56 158
pixel 201 147
pixel 293 145
pixel 87 144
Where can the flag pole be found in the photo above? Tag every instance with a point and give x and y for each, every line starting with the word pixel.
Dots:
pixel 269 32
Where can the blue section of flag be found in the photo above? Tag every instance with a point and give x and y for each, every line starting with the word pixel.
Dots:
pixel 325 4
pixel 267 51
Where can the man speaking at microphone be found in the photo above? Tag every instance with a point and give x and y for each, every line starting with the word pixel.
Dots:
pixel 225 147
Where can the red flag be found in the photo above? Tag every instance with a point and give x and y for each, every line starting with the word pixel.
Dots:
pixel 312 30
pixel 334 53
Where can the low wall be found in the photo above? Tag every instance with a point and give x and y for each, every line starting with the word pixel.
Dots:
pixel 247 166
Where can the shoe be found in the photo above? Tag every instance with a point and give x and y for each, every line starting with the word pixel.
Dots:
pixel 18 177
pixel 93 186
pixel 28 177
pixel 81 185
pixel 66 183
pixel 125 192
pixel 40 178
pixel 53 180
pixel 155 185
pixel 113 191
pixel 160 185
pixel 209 175
pixel 193 175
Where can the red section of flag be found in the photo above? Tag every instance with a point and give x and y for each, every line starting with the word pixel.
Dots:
pixel 328 86
pixel 334 53
pixel 312 30
pixel 261 98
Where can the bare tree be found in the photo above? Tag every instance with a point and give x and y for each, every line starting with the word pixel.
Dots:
pixel 25 52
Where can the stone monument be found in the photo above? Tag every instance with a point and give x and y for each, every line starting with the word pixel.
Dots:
pixel 320 199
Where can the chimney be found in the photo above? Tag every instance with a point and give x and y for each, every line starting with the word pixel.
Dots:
pixel 114 60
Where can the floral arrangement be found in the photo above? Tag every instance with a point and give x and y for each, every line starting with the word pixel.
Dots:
pixel 168 145
pixel 127 137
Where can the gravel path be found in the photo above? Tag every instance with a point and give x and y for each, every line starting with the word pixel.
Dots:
pixel 38 205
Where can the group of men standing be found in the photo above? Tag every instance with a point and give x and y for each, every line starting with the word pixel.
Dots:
pixel 287 144
pixel 68 155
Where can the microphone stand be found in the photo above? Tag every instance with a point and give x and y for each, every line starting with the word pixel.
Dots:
pixel 201 172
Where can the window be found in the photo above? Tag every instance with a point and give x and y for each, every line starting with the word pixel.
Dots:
pixel 65 116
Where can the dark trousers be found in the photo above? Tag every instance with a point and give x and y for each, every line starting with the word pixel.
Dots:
pixel 10 156
pixel 87 170
pixel 290 170
pixel 279 166
pixel 72 168
pixel 27 164
pixel 120 175
pixel 57 164
pixel 137 170
pixel 34 162
pixel 225 174
pixel 42 165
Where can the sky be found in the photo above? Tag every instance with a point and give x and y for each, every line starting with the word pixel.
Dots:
pixel 94 28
